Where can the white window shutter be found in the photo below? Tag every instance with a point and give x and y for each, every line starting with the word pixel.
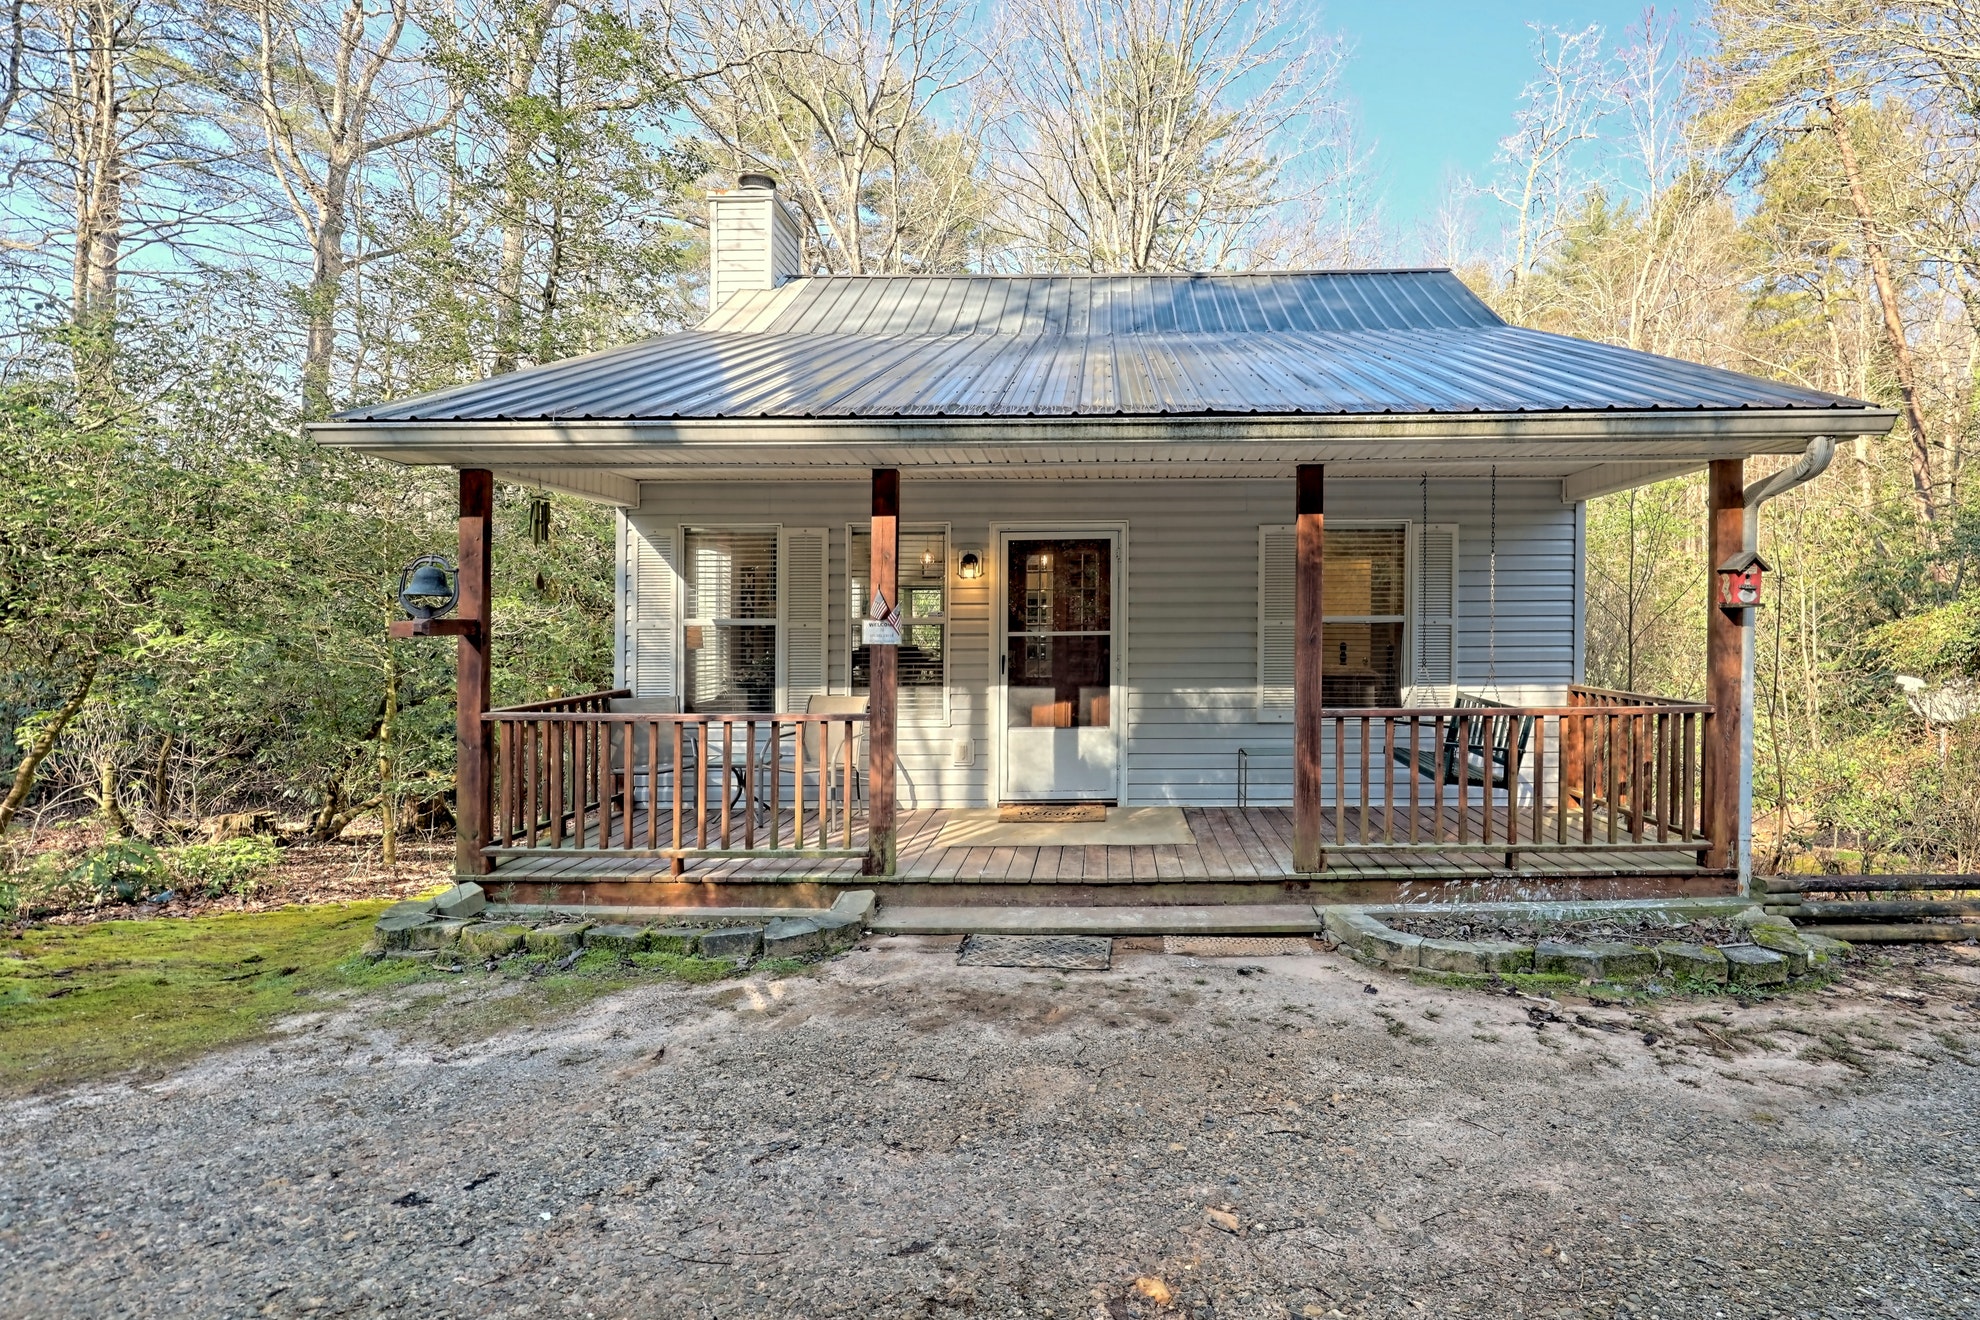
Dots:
pixel 801 604
pixel 654 624
pixel 1435 606
pixel 1278 555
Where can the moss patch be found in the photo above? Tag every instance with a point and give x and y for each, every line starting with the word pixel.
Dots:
pixel 81 1002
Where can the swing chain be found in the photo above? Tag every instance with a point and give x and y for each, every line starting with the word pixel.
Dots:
pixel 1492 596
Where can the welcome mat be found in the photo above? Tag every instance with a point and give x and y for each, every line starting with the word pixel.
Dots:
pixel 1237 946
pixel 1123 827
pixel 1051 813
pixel 1072 953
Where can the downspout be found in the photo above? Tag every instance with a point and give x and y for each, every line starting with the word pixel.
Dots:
pixel 1813 463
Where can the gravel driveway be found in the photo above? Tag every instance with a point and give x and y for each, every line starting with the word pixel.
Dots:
pixel 893 1135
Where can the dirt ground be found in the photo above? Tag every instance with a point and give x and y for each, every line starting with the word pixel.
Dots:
pixel 894 1135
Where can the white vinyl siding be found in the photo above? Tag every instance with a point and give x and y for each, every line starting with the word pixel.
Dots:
pixel 1190 672
pixel 1278 620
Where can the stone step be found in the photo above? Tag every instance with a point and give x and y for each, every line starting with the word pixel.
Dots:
pixel 1220 919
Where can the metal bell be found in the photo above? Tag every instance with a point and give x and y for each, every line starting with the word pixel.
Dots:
pixel 428 588
pixel 429 580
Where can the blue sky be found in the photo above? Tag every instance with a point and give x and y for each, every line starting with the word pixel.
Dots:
pixel 1435 83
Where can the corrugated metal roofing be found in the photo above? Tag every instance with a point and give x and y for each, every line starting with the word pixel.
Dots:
pixel 1322 343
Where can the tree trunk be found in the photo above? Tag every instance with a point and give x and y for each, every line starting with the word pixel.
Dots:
pixel 519 140
pixel 388 797
pixel 42 744
pixel 331 818
pixel 326 281
pixel 161 787
pixel 115 822
pixel 95 112
pixel 1887 302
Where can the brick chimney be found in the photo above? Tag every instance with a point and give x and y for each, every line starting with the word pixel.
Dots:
pixel 752 239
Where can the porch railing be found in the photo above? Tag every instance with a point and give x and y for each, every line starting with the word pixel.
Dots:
pixel 1607 772
pixel 574 777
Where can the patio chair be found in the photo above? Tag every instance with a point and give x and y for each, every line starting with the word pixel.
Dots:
pixel 1471 765
pixel 663 767
pixel 824 744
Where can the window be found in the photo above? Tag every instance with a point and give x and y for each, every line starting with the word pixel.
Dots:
pixel 1362 595
pixel 1367 600
pixel 729 619
pixel 922 568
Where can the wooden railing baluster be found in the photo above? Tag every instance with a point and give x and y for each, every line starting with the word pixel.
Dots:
pixel 1612 756
pixel 728 753
pixel 776 774
pixel 846 784
pixel 1388 779
pixel 1437 798
pixel 1415 770
pixel 680 768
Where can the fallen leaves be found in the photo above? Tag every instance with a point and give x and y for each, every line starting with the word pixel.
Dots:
pixel 1153 1289
pixel 1223 1219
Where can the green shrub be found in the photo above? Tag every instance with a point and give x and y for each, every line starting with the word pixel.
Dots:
pixel 43 884
pixel 122 871
pixel 234 866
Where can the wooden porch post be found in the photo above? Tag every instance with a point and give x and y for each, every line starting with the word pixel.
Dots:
pixel 1725 514
pixel 884 676
pixel 473 765
pixel 1308 638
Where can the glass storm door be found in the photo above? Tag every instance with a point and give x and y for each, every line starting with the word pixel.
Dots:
pixel 1060 735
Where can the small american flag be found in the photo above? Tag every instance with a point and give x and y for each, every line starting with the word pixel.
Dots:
pixel 888 614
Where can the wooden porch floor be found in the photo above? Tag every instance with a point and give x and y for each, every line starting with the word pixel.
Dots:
pixel 1230 843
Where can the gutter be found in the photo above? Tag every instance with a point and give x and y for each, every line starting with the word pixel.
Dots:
pixel 1812 464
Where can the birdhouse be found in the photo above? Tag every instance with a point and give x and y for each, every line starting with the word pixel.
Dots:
pixel 1739 581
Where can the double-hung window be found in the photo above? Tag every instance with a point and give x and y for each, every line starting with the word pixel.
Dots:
pixel 729 618
pixel 1367 599
pixel 922 567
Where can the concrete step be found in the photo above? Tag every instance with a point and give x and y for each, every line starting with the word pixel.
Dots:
pixel 1221 919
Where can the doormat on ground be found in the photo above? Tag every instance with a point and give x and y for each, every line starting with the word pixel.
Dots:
pixel 978 827
pixel 1073 953
pixel 1236 946
pixel 1051 813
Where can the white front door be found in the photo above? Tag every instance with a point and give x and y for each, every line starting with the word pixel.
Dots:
pixel 1060 667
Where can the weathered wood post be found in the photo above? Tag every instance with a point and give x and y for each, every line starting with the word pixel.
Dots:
pixel 473 765
pixel 1309 636
pixel 883 672
pixel 1725 533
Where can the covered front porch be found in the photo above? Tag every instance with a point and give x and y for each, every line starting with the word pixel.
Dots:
pixel 1603 795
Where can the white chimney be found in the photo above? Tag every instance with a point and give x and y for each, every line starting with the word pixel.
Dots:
pixel 752 239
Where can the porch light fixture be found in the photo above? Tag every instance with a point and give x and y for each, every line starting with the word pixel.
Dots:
pixel 428 588
pixel 970 566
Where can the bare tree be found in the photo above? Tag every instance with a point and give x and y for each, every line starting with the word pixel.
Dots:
pixel 843 101
pixel 333 89
pixel 1559 110
pixel 113 152
pixel 1156 134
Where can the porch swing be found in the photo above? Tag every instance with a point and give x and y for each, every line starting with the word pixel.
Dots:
pixel 1465 754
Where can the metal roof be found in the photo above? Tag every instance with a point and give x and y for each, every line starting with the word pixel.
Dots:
pixel 1352 343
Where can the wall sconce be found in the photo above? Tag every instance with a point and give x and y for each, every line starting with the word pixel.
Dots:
pixel 970 566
